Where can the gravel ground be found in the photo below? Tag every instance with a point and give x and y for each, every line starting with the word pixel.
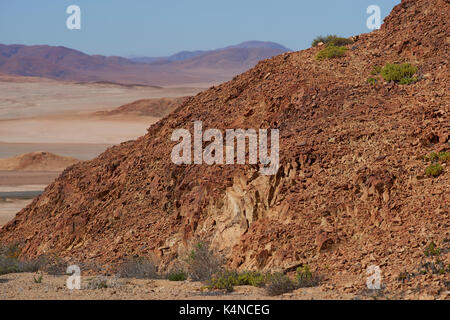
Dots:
pixel 23 286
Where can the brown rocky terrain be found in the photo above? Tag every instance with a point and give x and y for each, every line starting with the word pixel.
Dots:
pixel 350 192
pixel 37 161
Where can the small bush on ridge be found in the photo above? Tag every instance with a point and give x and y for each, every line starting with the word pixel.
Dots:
pixel 331 52
pixel 331 40
pixel 434 170
pixel 432 250
pixel 401 73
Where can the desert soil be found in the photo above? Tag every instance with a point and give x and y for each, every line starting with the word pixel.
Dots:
pixel 22 286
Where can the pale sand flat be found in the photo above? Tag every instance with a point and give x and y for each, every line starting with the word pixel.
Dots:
pixel 9 208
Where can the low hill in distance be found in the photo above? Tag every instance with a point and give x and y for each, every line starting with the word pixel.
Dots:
pixel 37 161
pixel 157 107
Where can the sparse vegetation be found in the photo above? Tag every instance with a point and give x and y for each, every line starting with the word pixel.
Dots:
pixel 8 265
pixel 275 283
pixel 434 170
pixel 432 157
pixel 305 278
pixel 403 276
pixel 39 278
pixel 375 70
pixel 252 278
pixel 202 262
pixel 177 275
pixel 227 280
pixel 279 283
pixel 432 250
pixel 444 156
pixel 54 265
pixel 330 52
pixel 139 268
pixel 402 73
pixel 372 80
pixel 331 40
pixel 11 263
pixel 102 282
pixel 437 267
pixel 10 251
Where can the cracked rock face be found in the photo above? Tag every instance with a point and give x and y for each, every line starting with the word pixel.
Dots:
pixel 350 192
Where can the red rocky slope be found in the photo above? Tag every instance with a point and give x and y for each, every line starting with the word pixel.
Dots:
pixel 351 190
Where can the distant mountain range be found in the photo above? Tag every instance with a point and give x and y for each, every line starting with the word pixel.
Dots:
pixel 186 55
pixel 185 67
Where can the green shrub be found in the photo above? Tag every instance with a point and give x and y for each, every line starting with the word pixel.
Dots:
pixel 444 156
pixel 227 280
pixel 434 170
pixel 251 278
pixel 400 73
pixel 54 265
pixel 371 80
pixel 432 250
pixel 275 283
pixel 38 279
pixel 432 157
pixel 177 276
pixel 331 40
pixel 331 52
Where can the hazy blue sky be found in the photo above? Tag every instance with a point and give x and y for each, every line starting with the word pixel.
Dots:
pixel 154 28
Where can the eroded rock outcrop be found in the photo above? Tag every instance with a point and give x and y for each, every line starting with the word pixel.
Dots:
pixel 351 189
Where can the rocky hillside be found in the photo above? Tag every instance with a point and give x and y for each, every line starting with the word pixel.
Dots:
pixel 351 190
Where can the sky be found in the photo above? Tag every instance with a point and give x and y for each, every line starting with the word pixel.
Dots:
pixel 160 28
